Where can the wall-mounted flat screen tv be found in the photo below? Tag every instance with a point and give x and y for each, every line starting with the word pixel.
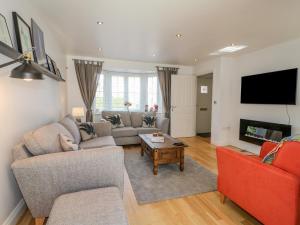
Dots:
pixel 278 87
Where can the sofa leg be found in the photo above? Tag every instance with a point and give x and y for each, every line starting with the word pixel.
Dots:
pixel 39 221
pixel 222 198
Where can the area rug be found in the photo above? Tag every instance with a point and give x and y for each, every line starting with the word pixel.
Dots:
pixel 170 182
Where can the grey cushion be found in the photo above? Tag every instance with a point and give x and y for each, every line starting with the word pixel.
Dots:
pixel 137 118
pixel 124 116
pixel 45 140
pixel 98 142
pixel 72 127
pixel 102 206
pixel 143 130
pixel 124 132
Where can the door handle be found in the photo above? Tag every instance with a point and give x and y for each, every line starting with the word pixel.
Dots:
pixel 172 108
pixel 203 109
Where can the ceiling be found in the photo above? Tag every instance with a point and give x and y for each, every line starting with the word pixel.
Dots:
pixel 138 29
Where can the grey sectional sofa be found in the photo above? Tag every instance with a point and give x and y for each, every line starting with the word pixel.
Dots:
pixel 44 177
pixel 133 127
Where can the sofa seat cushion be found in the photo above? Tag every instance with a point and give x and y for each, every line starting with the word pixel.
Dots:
pixel 98 142
pixel 72 127
pixel 124 132
pixel 91 207
pixel 45 140
pixel 143 130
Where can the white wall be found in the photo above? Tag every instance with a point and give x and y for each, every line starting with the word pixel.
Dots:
pixel 228 72
pixel 74 98
pixel 25 105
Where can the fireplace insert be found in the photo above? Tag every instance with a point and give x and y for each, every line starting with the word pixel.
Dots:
pixel 257 132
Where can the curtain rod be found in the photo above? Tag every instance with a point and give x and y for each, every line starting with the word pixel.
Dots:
pixel 88 60
pixel 128 71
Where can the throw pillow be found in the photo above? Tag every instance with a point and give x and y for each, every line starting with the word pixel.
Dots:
pixel 149 121
pixel 115 121
pixel 67 143
pixel 269 158
pixel 87 131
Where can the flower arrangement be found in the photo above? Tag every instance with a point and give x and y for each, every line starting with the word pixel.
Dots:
pixel 127 105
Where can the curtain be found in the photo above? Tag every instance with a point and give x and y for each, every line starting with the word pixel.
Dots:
pixel 88 73
pixel 164 77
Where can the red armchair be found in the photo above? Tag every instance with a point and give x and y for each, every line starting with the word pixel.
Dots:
pixel 271 193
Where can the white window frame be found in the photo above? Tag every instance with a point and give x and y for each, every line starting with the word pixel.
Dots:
pixel 107 90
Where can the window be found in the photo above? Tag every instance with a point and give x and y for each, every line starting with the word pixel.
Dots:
pixel 115 88
pixel 117 92
pixel 152 91
pixel 99 103
pixel 134 95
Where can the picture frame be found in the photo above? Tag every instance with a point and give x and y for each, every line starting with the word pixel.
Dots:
pixel 39 45
pixel 56 70
pixel 23 35
pixel 49 64
pixel 5 36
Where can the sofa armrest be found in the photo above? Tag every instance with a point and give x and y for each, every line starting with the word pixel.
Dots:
pixel 163 124
pixel 103 128
pixel 43 178
pixel 266 148
pixel 261 189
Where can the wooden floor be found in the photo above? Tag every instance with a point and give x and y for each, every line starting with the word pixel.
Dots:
pixel 193 210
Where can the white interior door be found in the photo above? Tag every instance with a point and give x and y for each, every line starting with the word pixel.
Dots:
pixel 183 106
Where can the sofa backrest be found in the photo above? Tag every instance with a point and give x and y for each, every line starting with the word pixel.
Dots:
pixel 125 116
pixel 137 118
pixel 288 158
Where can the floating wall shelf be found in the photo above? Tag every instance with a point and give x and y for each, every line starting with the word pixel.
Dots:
pixel 14 54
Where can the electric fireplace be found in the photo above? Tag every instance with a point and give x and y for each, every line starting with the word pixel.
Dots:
pixel 257 132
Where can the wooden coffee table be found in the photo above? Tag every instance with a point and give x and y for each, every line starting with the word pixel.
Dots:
pixel 162 153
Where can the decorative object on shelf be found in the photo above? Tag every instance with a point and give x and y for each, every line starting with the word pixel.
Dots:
pixel 39 44
pixel 127 105
pixel 4 32
pixel 50 65
pixel 146 108
pixel 26 71
pixel 78 113
pixel 23 34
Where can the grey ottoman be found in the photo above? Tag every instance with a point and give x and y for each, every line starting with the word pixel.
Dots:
pixel 102 206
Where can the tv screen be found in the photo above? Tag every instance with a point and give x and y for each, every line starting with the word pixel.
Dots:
pixel 278 87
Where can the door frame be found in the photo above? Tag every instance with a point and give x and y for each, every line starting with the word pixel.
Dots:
pixel 212 100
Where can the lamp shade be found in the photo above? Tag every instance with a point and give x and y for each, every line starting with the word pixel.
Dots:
pixel 78 111
pixel 26 71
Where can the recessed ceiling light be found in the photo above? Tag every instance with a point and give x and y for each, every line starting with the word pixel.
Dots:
pixel 99 49
pixel 179 35
pixel 196 60
pixel 154 55
pixel 229 49
pixel 99 22
pixel 232 48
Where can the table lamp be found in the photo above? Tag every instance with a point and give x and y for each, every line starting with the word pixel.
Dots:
pixel 78 113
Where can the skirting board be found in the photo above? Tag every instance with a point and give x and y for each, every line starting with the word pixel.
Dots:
pixel 16 214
